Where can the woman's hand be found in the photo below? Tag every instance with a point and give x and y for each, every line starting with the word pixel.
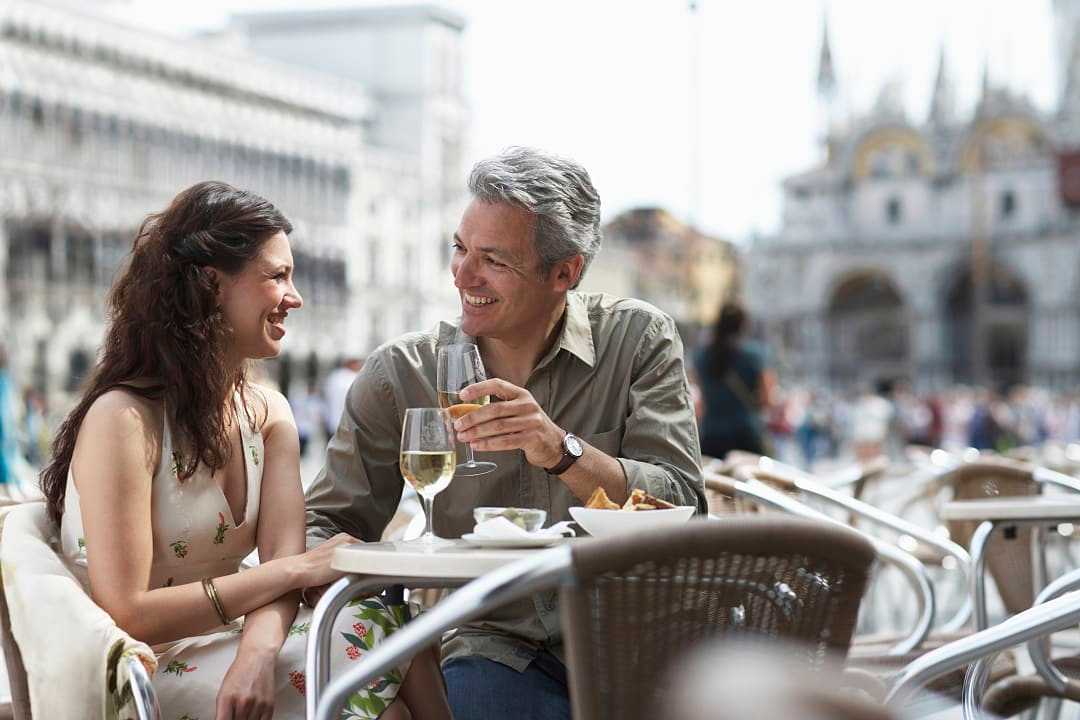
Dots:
pixel 312 568
pixel 247 691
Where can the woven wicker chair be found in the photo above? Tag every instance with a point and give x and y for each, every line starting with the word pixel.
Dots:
pixel 632 605
pixel 636 606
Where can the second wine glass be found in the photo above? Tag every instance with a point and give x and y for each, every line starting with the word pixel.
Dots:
pixel 460 366
pixel 427 459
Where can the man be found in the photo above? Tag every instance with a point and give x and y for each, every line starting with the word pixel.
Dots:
pixel 589 391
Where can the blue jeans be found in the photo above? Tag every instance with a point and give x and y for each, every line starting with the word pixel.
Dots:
pixel 482 689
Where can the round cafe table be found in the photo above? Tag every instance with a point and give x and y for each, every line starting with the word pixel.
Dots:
pixel 373 567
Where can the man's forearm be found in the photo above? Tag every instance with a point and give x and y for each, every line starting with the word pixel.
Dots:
pixel 596 469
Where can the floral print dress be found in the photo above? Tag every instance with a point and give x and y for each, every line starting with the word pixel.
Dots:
pixel 196 536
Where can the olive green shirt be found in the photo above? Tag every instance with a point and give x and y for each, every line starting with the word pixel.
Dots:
pixel 615 378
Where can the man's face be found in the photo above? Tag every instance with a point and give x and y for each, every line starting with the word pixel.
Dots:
pixel 497 273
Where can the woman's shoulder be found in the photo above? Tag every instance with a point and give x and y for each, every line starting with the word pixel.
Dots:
pixel 121 409
pixel 121 429
pixel 271 407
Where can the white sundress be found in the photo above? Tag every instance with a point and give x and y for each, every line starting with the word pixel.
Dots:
pixel 195 536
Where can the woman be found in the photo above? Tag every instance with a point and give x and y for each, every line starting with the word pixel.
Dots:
pixel 735 388
pixel 173 467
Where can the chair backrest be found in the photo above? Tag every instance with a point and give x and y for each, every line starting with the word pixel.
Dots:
pixel 1008 558
pixel 16 671
pixel 639 602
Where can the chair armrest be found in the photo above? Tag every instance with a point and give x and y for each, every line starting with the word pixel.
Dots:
pixel 1054 615
pixel 1039 648
pixel 1046 476
pixel 146 703
pixel 523 578
pixel 913 570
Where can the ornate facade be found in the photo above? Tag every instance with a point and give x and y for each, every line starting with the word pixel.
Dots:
pixel 943 251
pixel 101 123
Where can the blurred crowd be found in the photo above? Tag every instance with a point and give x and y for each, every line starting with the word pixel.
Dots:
pixel 809 425
pixel 803 426
pixel 27 421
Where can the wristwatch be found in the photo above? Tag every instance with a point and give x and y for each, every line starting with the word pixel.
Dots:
pixel 571 451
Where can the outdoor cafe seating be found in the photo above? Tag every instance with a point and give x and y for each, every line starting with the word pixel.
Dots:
pixel 784 557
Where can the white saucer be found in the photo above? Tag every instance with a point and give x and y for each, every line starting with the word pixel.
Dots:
pixel 538 541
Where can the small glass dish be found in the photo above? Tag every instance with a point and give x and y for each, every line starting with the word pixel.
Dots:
pixel 528 519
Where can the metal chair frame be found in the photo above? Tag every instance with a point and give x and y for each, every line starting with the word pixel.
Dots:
pixel 809 486
pixel 1059 613
pixel 912 570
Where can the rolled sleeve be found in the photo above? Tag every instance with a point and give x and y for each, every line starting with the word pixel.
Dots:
pixel 660 452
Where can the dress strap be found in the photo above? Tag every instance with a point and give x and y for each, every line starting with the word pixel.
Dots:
pixel 170 464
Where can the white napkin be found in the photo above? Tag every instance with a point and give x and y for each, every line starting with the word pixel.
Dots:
pixel 499 528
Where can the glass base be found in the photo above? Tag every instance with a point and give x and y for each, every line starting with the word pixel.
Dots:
pixel 474 469
pixel 428 541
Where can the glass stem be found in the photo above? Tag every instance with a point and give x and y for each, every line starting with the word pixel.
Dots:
pixel 469 459
pixel 429 531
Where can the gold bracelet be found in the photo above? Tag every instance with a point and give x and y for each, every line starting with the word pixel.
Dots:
pixel 215 600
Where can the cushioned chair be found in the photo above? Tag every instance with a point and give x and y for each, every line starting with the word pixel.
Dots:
pixel 141 689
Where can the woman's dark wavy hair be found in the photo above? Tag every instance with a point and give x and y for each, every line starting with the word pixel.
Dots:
pixel 165 324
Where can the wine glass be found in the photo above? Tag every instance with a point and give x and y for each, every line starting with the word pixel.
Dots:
pixel 460 366
pixel 428 454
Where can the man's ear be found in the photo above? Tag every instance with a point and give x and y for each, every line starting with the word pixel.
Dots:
pixel 568 272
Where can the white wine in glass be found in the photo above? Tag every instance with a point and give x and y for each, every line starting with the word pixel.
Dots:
pixel 428 455
pixel 429 472
pixel 459 367
pixel 453 403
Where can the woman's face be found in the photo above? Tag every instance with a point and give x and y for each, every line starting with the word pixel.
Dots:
pixel 257 300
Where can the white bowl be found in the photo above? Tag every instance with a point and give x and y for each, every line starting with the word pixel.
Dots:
pixel 602 523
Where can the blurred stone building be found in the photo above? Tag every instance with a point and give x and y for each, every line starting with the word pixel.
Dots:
pixel 648 254
pixel 102 123
pixel 941 249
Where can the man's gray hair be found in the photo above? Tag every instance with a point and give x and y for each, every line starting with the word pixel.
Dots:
pixel 557 191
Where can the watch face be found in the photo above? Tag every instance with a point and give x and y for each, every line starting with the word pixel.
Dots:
pixel 573 445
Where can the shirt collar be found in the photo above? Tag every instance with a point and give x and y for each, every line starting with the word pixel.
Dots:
pixel 576 337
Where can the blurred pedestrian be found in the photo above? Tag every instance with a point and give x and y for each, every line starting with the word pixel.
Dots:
pixel 35 427
pixel 307 405
pixel 336 389
pixel 813 429
pixel 9 447
pixel 874 423
pixel 736 387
